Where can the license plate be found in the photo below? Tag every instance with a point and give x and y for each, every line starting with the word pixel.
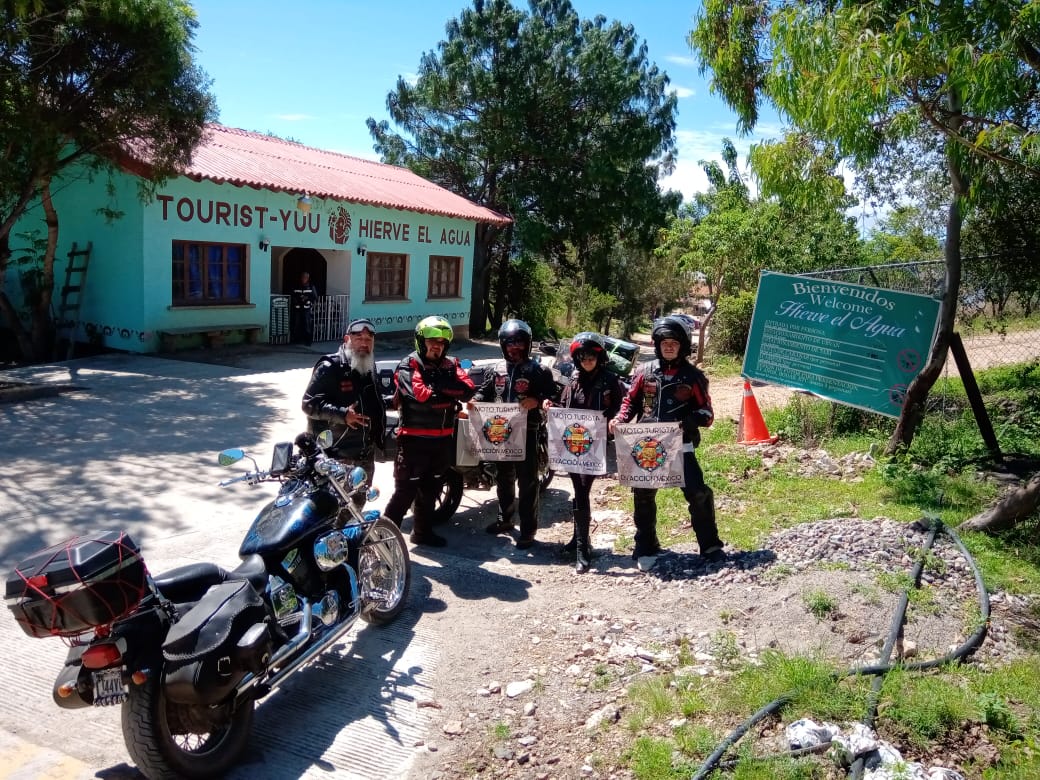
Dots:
pixel 108 687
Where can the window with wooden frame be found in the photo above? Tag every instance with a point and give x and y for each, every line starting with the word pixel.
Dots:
pixel 445 277
pixel 209 274
pixel 386 277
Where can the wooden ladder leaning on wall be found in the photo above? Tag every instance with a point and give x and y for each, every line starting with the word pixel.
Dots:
pixel 67 320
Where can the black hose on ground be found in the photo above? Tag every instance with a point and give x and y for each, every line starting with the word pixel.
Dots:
pixel 965 649
pixel 895 634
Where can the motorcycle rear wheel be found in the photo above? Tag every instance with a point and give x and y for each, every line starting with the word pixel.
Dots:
pixel 384 573
pixel 448 500
pixel 163 750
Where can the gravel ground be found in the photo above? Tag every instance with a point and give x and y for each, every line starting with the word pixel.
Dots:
pixel 538 689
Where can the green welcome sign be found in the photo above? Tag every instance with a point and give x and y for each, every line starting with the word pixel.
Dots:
pixel 856 345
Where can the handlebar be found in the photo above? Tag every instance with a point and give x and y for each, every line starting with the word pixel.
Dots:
pixel 252 477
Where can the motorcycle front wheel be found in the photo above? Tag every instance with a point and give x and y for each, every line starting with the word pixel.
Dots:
pixel 447 502
pixel 384 572
pixel 168 740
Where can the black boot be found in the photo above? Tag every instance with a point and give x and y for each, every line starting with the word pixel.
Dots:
pixel 702 518
pixel 583 546
pixel 504 523
pixel 572 546
pixel 422 532
pixel 645 517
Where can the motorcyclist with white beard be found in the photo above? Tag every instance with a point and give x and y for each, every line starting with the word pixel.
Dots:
pixel 343 396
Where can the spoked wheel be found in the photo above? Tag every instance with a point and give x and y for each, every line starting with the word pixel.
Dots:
pixel 448 500
pixel 384 572
pixel 545 474
pixel 169 740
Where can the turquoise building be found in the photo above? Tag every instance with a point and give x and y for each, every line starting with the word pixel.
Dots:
pixel 212 258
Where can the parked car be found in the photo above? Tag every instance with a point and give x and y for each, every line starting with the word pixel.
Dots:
pixel 691 322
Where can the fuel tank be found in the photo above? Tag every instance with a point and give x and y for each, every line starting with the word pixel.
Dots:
pixel 282 523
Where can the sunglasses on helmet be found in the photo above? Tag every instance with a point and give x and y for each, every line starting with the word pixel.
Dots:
pixel 360 326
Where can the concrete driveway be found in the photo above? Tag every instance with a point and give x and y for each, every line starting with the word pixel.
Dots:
pixel 132 445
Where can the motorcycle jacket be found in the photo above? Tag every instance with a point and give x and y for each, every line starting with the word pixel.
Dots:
pixel 335 386
pixel 672 392
pixel 304 296
pixel 513 382
pixel 429 395
pixel 600 390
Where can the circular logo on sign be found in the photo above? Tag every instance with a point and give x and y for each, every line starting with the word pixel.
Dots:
pixel 908 360
pixel 648 453
pixel 577 439
pixel 497 429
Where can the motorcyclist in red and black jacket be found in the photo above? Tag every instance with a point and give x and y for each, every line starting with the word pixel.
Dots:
pixel 518 379
pixel 431 388
pixel 671 389
pixel 592 386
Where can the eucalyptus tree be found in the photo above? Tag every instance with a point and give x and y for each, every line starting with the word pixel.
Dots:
pixel 79 81
pixel 869 75
pixel 561 123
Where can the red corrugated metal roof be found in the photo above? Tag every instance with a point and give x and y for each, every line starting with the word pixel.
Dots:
pixel 247 159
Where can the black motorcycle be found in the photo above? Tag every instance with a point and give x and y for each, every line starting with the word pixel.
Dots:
pixel 187 653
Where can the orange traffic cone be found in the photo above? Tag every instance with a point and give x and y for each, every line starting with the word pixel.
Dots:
pixel 751 428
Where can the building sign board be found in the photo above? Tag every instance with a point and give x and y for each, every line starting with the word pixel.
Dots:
pixel 857 345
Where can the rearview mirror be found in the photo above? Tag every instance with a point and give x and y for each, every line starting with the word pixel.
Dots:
pixel 229 457
pixel 325 439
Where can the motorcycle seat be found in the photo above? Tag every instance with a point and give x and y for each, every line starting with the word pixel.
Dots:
pixel 186 584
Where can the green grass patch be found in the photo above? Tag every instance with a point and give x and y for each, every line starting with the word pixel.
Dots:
pixel 820 603
pixel 1009 560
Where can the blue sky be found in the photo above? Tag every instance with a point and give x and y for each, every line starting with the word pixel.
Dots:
pixel 315 70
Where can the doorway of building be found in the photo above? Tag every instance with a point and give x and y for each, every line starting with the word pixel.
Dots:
pixel 296 261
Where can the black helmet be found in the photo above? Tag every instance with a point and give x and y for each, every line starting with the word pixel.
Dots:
pixel 513 331
pixel 432 328
pixel 587 341
pixel 671 328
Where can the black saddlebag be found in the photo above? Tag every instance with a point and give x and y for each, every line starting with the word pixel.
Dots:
pixel 78 585
pixel 209 650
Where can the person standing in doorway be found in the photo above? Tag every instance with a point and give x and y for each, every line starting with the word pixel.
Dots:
pixel 304 299
pixel 343 395
pixel 431 388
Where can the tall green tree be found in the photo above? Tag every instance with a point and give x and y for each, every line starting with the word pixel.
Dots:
pixel 1002 243
pixel 561 123
pixel 868 75
pixel 80 81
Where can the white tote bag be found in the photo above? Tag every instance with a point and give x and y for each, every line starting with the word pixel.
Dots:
pixel 649 455
pixel 577 440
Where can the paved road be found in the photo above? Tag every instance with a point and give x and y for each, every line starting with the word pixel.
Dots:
pixel 134 447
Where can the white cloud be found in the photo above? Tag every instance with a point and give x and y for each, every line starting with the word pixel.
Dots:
pixel 686 60
pixel 695 146
pixel 293 117
pixel 684 92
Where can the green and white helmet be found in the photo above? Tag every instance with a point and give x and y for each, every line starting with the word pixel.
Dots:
pixel 432 328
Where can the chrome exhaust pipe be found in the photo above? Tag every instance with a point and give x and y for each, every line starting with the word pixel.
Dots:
pixel 287 652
